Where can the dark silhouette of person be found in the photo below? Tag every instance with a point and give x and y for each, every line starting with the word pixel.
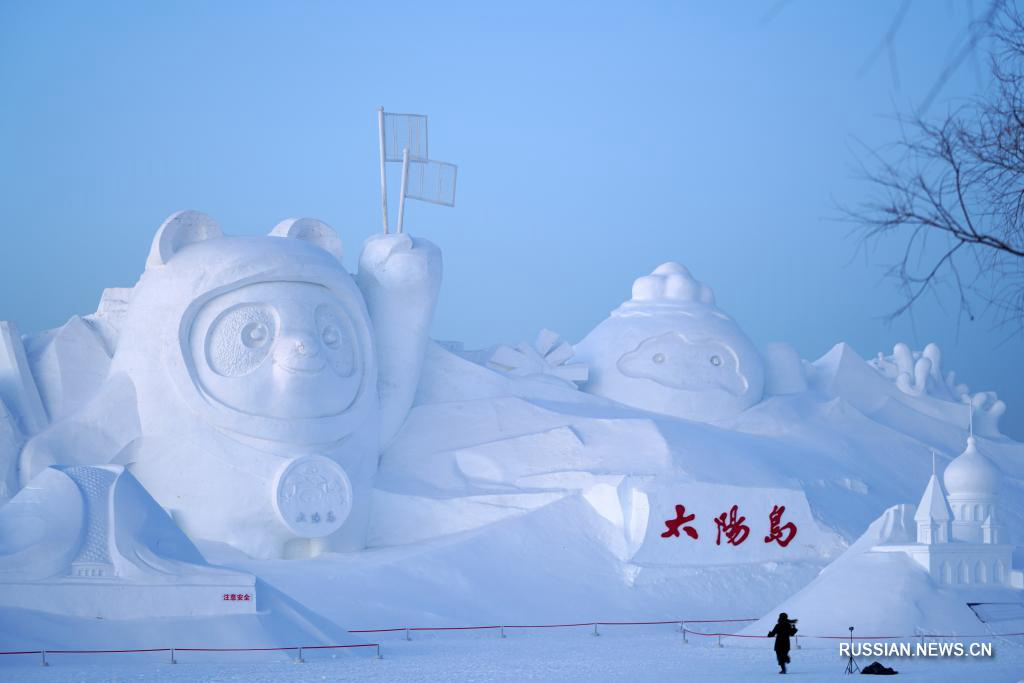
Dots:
pixel 782 631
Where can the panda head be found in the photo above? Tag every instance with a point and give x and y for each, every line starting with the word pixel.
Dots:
pixel 263 336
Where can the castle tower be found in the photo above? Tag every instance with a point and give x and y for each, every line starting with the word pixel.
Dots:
pixel 972 483
pixel 933 514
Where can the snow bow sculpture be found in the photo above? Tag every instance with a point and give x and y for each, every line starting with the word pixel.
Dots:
pixel 547 358
pixel 252 380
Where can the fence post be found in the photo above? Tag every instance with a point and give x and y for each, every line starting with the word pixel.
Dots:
pixel 684 635
pixel 173 660
pixel 502 631
pixel 719 641
pixel 798 642
pixel 43 652
pixel 682 629
pixel 379 655
pixel 300 660
pixel 407 636
pixel 595 633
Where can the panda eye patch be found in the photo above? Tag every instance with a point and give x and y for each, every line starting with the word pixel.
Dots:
pixel 240 339
pixel 337 335
pixel 331 336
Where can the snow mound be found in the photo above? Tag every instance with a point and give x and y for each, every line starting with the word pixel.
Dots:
pixel 670 350
pixel 885 593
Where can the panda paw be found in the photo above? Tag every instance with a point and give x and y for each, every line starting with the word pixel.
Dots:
pixel 400 262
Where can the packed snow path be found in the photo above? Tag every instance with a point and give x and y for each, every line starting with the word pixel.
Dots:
pixel 650 654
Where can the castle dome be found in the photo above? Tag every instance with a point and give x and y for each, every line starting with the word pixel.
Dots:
pixel 971 474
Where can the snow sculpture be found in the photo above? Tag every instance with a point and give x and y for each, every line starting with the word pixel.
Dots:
pixel 972 482
pixel 957 533
pixel 919 374
pixel 670 350
pixel 253 382
pixel 68 363
pixel 90 542
pixel 906 379
pixel 17 388
pixel 10 444
pixel 21 409
pixel 933 514
pixel 547 358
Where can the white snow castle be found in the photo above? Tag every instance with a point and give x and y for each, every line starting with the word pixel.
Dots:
pixel 958 539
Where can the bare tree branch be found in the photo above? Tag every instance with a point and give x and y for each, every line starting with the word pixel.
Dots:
pixel 975 31
pixel 886 45
pixel 959 179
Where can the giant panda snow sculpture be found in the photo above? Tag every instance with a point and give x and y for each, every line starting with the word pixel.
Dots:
pixel 253 381
pixel 669 349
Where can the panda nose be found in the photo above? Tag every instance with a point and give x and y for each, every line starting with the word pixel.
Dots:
pixel 304 345
pixel 299 353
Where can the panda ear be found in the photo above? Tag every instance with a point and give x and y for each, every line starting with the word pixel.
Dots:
pixel 177 232
pixel 313 231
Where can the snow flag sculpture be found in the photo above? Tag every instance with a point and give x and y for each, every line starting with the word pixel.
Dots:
pixel 403 138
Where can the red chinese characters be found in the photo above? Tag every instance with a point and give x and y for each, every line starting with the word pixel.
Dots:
pixel 732 526
pixel 672 525
pixel 777 531
pixel 245 597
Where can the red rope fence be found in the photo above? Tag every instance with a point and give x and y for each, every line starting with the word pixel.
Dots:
pixel 500 627
pixel 172 650
pixel 589 624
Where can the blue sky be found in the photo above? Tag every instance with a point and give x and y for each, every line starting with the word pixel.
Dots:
pixel 594 141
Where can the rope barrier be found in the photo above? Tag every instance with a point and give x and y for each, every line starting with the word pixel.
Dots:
pixel 451 628
pixel 231 649
pixel 587 623
pixel 500 627
pixel 711 621
pixel 173 650
pixel 568 625
pixel 106 652
pixel 635 623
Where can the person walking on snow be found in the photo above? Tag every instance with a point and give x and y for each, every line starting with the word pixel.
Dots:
pixel 782 631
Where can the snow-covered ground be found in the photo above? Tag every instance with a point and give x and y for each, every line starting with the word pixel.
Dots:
pixel 654 653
